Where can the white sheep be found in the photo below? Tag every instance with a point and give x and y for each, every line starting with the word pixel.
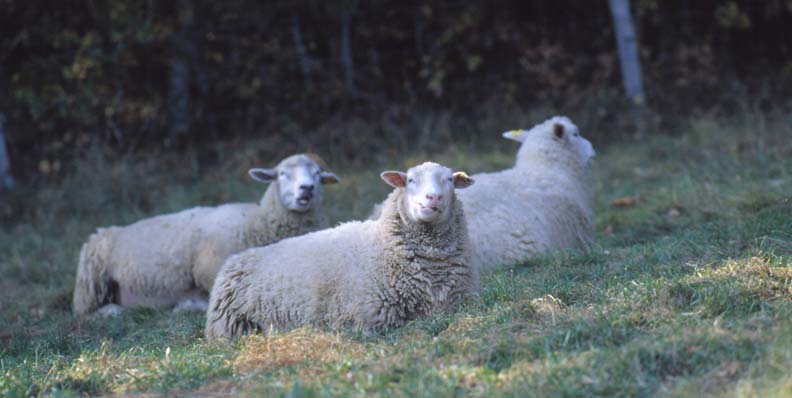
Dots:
pixel 543 203
pixel 370 275
pixel 172 259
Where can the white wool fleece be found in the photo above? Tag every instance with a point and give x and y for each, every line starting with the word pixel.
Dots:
pixel 165 260
pixel 371 275
pixel 542 203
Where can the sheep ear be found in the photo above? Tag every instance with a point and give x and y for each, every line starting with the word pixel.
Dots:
pixel 558 130
pixel 462 180
pixel 515 135
pixel 263 175
pixel 327 177
pixel 396 179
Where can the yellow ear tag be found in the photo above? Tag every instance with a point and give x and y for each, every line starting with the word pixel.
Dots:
pixel 515 133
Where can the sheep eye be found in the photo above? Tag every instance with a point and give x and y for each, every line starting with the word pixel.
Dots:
pixel 410 181
pixel 576 134
pixel 451 179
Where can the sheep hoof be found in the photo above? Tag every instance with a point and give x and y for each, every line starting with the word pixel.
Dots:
pixel 191 305
pixel 108 311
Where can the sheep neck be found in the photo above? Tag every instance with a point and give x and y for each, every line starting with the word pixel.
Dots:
pixel 427 266
pixel 433 241
pixel 274 221
pixel 543 158
pixel 561 169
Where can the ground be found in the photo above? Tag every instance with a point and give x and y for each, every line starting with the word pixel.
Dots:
pixel 685 293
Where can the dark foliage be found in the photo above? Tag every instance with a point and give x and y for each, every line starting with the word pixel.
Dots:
pixel 83 72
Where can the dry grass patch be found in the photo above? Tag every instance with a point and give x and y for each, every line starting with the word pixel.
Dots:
pixel 296 347
pixel 463 325
pixel 547 308
pixel 770 281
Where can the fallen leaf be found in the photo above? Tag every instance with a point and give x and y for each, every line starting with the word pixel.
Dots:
pixel 624 201
pixel 608 230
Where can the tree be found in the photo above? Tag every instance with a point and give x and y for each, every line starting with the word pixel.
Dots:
pixel 346 52
pixel 628 50
pixel 6 181
pixel 179 80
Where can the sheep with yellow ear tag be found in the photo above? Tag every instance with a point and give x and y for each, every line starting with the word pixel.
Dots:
pixel 372 275
pixel 542 203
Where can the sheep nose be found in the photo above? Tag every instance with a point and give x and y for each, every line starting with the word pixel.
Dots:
pixel 434 198
pixel 307 187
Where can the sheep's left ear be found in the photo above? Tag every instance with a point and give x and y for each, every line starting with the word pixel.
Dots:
pixel 263 175
pixel 558 130
pixel 327 177
pixel 462 180
pixel 515 135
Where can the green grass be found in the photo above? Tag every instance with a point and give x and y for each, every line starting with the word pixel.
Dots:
pixel 687 292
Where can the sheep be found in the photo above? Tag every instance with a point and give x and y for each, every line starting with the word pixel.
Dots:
pixel 543 203
pixel 171 260
pixel 369 276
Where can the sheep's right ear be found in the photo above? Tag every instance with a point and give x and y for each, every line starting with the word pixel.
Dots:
pixel 396 179
pixel 515 135
pixel 263 175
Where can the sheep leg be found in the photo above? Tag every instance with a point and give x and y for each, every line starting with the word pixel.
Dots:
pixel 191 305
pixel 108 311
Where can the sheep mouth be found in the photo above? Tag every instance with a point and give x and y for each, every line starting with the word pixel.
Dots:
pixel 303 201
pixel 428 212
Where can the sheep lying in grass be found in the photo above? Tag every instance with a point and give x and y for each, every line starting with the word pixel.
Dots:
pixel 172 259
pixel 542 203
pixel 370 275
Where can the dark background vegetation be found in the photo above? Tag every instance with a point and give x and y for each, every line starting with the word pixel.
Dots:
pixel 120 110
pixel 169 75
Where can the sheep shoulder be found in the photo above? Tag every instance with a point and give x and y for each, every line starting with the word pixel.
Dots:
pixel 274 222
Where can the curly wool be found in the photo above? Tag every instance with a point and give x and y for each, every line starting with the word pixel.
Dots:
pixel 371 275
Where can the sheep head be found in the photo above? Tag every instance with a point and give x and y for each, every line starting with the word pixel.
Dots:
pixel 299 180
pixel 555 133
pixel 429 190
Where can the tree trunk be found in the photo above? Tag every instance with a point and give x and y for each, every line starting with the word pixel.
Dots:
pixel 628 50
pixel 6 181
pixel 306 63
pixel 346 52
pixel 179 80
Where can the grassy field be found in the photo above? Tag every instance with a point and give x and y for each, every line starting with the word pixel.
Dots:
pixel 686 293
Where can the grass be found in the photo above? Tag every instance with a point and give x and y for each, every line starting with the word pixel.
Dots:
pixel 686 293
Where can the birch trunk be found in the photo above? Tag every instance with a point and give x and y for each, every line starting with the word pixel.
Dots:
pixel 628 50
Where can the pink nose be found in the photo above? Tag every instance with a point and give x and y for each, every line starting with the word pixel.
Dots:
pixel 434 199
